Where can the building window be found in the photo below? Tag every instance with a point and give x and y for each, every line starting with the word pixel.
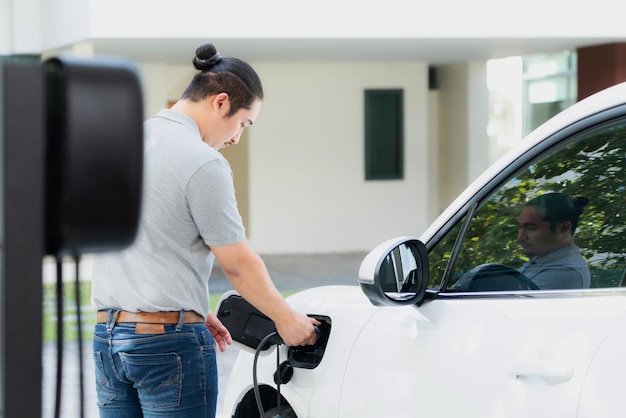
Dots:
pixel 549 86
pixel 384 135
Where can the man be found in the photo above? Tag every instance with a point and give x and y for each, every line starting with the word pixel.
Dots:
pixel 546 228
pixel 154 341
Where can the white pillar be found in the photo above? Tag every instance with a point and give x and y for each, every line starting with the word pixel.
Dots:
pixel 463 141
pixel 6 27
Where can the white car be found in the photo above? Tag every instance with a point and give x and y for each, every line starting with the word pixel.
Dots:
pixel 444 325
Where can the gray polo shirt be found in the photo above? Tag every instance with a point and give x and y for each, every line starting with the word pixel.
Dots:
pixel 188 205
pixel 564 268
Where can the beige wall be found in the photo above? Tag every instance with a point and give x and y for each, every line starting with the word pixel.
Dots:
pixel 300 180
pixel 305 180
pixel 307 187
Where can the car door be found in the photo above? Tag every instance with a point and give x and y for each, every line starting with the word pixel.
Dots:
pixel 483 357
pixel 487 345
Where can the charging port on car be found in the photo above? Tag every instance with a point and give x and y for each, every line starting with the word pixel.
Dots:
pixel 310 356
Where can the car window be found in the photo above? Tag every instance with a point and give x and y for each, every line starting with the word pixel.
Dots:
pixel 591 165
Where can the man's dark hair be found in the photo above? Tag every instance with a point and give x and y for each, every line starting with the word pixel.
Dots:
pixel 228 75
pixel 559 207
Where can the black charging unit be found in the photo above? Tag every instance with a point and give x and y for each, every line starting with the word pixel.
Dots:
pixel 94 154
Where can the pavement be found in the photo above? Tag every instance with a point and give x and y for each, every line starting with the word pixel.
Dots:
pixel 289 272
pixel 302 271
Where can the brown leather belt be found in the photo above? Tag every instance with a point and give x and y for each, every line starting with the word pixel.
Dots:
pixel 152 317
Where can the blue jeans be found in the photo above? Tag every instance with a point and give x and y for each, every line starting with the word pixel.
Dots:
pixel 170 375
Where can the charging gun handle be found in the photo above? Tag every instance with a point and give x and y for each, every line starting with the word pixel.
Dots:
pixel 276 339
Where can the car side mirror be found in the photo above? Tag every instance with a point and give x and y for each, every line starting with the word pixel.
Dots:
pixel 395 272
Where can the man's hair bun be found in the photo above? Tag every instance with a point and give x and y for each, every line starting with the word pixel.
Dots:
pixel 581 202
pixel 206 57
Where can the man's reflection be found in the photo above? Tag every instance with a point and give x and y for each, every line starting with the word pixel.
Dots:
pixel 546 233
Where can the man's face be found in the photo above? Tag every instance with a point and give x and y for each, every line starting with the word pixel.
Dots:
pixel 232 126
pixel 536 237
pixel 218 128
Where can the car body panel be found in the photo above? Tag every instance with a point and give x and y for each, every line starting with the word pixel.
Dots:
pixel 602 394
pixel 442 351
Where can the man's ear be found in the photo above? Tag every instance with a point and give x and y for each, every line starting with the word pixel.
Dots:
pixel 221 101
pixel 565 227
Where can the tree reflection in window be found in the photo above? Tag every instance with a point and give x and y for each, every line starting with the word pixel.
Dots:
pixel 593 165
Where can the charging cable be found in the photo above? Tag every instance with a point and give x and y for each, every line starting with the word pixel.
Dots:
pixel 283 373
pixel 59 380
pixel 273 338
pixel 60 336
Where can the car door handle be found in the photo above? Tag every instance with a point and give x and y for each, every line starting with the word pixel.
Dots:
pixel 550 372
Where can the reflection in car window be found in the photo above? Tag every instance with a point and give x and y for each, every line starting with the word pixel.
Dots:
pixel 591 165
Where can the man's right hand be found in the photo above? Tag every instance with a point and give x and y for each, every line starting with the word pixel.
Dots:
pixel 298 330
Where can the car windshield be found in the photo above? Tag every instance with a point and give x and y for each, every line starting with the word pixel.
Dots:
pixel 590 166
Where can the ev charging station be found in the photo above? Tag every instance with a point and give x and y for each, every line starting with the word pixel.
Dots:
pixel 71 161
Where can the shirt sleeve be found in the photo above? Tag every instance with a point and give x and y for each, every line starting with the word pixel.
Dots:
pixel 211 198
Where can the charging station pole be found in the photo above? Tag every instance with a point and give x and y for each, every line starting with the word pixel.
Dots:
pixel 22 164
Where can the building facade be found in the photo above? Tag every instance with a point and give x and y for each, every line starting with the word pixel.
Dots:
pixel 300 172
